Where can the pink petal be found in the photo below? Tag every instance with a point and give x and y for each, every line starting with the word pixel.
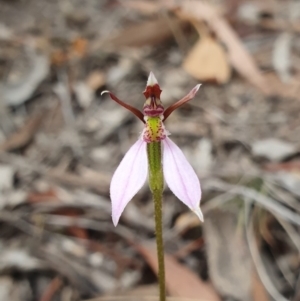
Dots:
pixel 181 177
pixel 128 179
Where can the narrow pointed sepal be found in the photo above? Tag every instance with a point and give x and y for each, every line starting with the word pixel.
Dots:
pixel 152 81
pixel 128 179
pixel 181 102
pixel 133 110
pixel 181 177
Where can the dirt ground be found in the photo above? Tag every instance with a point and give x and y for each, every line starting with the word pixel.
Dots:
pixel 61 141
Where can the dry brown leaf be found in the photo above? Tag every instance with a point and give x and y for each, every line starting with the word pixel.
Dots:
pixel 197 11
pixel 259 292
pixel 237 54
pixel 186 221
pixel 24 135
pixel 146 33
pixel 192 246
pixel 79 47
pixel 95 80
pixel 40 197
pixel 73 230
pixel 285 166
pixel 229 260
pixel 180 281
pixel 207 61
pixel 58 57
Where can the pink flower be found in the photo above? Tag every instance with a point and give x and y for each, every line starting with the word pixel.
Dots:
pixel 132 172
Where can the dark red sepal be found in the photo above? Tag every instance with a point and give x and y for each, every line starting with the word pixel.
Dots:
pixel 181 102
pixel 133 110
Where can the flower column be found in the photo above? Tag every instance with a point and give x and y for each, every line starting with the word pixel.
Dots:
pixel 153 133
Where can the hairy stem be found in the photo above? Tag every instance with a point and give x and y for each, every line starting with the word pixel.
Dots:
pixel 156 184
pixel 160 244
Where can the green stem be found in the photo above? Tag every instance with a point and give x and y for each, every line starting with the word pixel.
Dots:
pixel 156 183
pixel 160 245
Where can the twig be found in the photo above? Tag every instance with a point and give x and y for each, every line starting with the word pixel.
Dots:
pixel 263 275
pixel 55 175
pixel 251 194
pixel 52 288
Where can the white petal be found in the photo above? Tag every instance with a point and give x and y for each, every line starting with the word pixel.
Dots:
pixel 128 179
pixel 181 177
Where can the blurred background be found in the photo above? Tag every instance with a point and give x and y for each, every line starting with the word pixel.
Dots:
pixel 60 143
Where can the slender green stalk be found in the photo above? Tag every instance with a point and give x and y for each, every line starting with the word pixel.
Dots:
pixel 160 245
pixel 156 183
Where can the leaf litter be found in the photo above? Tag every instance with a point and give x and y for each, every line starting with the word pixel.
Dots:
pixel 60 142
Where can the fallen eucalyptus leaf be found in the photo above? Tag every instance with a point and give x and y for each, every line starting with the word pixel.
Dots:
pixel 273 149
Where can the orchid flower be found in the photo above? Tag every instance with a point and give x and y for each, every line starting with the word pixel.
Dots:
pixel 132 172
